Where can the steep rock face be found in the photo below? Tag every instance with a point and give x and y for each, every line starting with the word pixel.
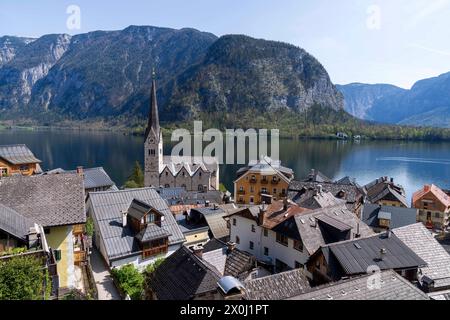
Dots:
pixel 9 47
pixel 30 64
pixel 422 105
pixel 360 98
pixel 240 72
pixel 109 73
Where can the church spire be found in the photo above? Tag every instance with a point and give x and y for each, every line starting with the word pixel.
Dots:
pixel 153 117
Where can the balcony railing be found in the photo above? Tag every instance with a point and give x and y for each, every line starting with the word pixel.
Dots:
pixel 78 229
pixel 275 181
pixel 264 181
pixel 253 181
pixel 148 253
pixel 241 192
pixel 79 257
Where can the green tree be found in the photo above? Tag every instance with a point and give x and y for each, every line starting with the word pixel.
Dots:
pixel 136 179
pixel 22 278
pixel 152 267
pixel 130 281
pixel 90 227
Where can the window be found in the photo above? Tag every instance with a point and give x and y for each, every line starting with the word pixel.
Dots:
pixel 264 190
pixel 238 240
pixel 282 239
pixel 47 230
pixel 253 228
pixel 298 245
pixel 3 172
pixel 234 222
pixel 241 189
pixel 252 190
pixel 200 187
pixel 318 264
pixel 167 173
pixel 437 215
pixel 266 233
pixel 152 152
pixel 266 251
pixel 275 190
pixel 200 174
pixel 24 168
pixel 167 186
pixel 252 200
pixel 252 245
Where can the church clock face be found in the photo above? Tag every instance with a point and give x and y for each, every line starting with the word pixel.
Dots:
pixel 152 141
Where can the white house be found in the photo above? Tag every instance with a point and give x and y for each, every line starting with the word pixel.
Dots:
pixel 285 235
pixel 133 227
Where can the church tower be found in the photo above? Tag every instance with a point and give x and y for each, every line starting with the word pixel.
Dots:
pixel 153 145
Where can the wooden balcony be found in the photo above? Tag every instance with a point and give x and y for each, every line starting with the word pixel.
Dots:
pixel 241 192
pixel 253 181
pixel 264 181
pixel 79 257
pixel 275 181
pixel 148 253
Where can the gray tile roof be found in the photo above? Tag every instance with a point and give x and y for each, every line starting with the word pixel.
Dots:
pixel 392 287
pixel 277 287
pixel 217 225
pixel 107 209
pixel 175 196
pixel 152 232
pixel 18 154
pixel 53 200
pixel 400 217
pixel 420 240
pixel 93 177
pixel 14 223
pixel 303 227
pixel 383 188
pixel 138 209
pixel 183 276
pixel 356 256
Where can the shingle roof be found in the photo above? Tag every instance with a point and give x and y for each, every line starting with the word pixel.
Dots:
pixel 217 225
pixel 392 287
pixel 277 287
pixel 400 217
pixel 356 256
pixel 53 200
pixel 303 227
pixel 14 223
pixel 383 187
pixel 152 232
pixel 18 154
pixel 107 208
pixel 420 240
pixel 182 276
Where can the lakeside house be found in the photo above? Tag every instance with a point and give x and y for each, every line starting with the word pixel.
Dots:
pixel 262 181
pixel 434 207
pixel 382 218
pixel 346 189
pixel 133 226
pixel 384 191
pixel 95 179
pixel 55 202
pixel 18 160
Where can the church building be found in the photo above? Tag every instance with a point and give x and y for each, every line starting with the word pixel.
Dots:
pixel 160 171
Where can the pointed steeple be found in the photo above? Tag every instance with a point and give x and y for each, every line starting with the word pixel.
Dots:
pixel 153 117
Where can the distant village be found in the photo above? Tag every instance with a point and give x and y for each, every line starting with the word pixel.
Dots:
pixel 276 237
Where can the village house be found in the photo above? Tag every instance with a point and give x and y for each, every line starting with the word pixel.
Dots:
pixel 285 235
pixel 434 207
pixel 55 202
pixel 359 256
pixel 95 179
pixel 194 174
pixel 390 286
pixel 381 218
pixel 435 277
pixel 18 160
pixel 262 181
pixel 345 189
pixel 200 274
pixel 133 227
pixel 384 191
pixel 316 199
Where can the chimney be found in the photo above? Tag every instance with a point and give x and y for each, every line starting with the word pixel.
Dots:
pixel 392 180
pixel 262 212
pixel 388 233
pixel 231 246
pixel 33 238
pixel 427 188
pixel 320 188
pixel 358 231
pixel 124 218
pixel 216 207
pixel 80 171
pixel 198 251
pixel 382 254
pixel 285 204
pixel 207 204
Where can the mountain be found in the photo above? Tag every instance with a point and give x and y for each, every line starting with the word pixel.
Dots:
pixel 426 100
pixel 107 74
pixel 240 73
pixel 427 103
pixel 360 97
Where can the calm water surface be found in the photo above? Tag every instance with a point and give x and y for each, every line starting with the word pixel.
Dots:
pixel 413 164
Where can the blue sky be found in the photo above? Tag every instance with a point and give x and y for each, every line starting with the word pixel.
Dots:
pixel 384 41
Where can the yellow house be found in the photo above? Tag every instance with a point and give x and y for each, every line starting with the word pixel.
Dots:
pixel 262 181
pixel 18 159
pixel 56 202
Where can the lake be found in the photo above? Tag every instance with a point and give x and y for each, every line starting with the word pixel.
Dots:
pixel 413 164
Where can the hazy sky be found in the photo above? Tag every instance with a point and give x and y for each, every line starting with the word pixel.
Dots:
pixel 384 41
